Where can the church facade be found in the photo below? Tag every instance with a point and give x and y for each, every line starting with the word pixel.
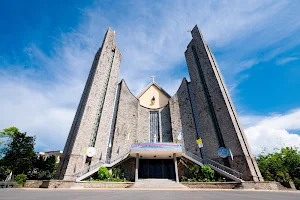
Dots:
pixel 149 135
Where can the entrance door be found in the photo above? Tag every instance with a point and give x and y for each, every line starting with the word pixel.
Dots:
pixel 156 168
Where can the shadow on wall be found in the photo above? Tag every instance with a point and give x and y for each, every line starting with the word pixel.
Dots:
pixel 166 128
pixel 189 133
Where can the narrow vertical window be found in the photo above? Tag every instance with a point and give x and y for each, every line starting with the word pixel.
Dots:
pixel 154 126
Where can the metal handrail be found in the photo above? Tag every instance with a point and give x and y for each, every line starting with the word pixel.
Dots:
pixel 89 168
pixel 92 167
pixel 207 161
pixel 192 155
pixel 120 158
pixel 237 174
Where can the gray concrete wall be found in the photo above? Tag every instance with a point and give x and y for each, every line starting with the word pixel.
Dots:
pixel 219 121
pixel 182 119
pixel 126 122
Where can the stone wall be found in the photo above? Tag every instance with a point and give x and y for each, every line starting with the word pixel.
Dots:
pixel 183 171
pixel 72 184
pixel 33 183
pixel 234 185
pixel 129 168
pixel 143 124
pixel 211 185
pixel 182 119
pixel 210 139
pixel 106 119
pixel 165 124
pixel 106 65
pixel 126 122
pixel 263 185
pixel 219 121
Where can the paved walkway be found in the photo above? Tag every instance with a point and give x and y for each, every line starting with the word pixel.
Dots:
pixel 131 194
pixel 156 183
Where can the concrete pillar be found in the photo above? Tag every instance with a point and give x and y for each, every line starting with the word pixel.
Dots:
pixel 176 168
pixel 137 167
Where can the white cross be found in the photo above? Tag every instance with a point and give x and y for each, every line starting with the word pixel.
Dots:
pixel 153 77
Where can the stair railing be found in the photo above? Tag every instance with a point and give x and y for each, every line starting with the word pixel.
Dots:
pixel 207 161
pixel 233 172
pixel 192 155
pixel 96 165
pixel 89 168
pixel 119 158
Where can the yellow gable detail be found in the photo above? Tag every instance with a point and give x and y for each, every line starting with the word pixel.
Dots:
pixel 154 98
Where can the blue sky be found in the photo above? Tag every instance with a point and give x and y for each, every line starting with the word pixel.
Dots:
pixel 47 48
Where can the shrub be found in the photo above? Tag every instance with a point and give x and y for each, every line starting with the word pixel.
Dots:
pixel 208 173
pixel 201 174
pixel 21 179
pixel 103 173
pixel 117 173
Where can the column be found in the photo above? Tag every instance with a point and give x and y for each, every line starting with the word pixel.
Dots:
pixel 176 168
pixel 137 167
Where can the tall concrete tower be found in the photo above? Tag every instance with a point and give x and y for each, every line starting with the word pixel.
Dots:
pixel 218 120
pixel 94 114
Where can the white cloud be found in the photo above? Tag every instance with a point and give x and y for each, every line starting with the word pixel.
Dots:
pixel 286 60
pixel 272 132
pixel 42 99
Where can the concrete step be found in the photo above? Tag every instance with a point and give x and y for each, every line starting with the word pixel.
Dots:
pixel 157 183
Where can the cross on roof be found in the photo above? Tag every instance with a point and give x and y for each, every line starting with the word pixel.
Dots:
pixel 153 77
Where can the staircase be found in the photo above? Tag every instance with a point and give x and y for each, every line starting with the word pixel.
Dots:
pixel 156 183
pixel 225 171
pixel 90 170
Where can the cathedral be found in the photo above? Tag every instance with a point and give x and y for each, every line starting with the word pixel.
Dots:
pixel 153 135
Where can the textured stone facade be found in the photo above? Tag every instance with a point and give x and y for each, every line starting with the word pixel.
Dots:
pixel 182 119
pixel 143 124
pixel 107 112
pixel 165 125
pixel 71 184
pixel 33 183
pixel 110 118
pixel 219 123
pixel 125 130
pixel 95 103
pixel 129 169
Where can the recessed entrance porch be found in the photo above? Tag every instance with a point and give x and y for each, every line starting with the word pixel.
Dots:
pixel 157 168
pixel 156 160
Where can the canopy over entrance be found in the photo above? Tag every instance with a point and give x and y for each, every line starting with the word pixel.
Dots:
pixel 156 150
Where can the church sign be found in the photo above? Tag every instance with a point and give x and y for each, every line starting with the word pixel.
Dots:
pixel 150 145
pixel 156 150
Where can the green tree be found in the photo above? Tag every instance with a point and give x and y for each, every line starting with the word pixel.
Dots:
pixel 43 168
pixel 5 137
pixel 9 132
pixel 18 151
pixel 281 166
